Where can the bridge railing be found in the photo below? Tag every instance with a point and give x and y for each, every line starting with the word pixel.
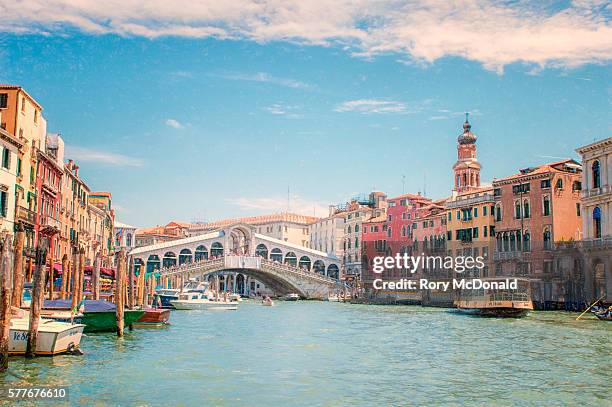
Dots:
pixel 249 262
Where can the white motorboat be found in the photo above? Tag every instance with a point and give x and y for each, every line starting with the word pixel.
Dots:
pixel 267 302
pixel 333 298
pixel 53 337
pixel 201 301
pixel 292 297
pixel 235 297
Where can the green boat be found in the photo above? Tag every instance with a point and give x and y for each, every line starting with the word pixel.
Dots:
pixel 98 316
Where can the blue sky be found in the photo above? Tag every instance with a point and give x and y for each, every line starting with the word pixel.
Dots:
pixel 190 123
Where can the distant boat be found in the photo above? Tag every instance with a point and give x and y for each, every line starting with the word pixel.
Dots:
pixel 200 301
pixel 334 298
pixel 292 297
pixel 53 337
pixel 99 315
pixel 234 297
pixel 267 302
pixel 496 302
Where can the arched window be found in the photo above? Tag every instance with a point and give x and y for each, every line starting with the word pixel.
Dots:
pixel 518 241
pixel 458 180
pixel 291 259
pixel 261 250
pixel 356 228
pixel 506 242
pixel 305 262
pixel 498 213
pixel 319 267
pixel 464 179
pixel 527 241
pixel 517 209
pixel 547 245
pixel 216 249
pixel 500 247
pixel 128 240
pixel 276 255
pixel 472 180
pixel 153 263
pixel 333 271
pixel 526 210
pixel 201 253
pixel 169 260
pixel 348 229
pixel 596 174
pixel 185 256
pixel 546 206
pixel 356 243
pixel 512 242
pixel 597 223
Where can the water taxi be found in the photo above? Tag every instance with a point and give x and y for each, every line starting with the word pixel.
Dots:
pixel 201 301
pixel 496 299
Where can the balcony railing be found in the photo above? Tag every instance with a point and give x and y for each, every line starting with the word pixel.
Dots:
pixel 588 193
pixel 26 215
pixel 50 222
pixel 470 201
pixel 507 255
pixel 52 189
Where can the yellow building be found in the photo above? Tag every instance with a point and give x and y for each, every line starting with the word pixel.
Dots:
pixel 100 224
pixel 22 118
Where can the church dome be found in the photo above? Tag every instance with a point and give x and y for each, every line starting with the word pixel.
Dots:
pixel 467 137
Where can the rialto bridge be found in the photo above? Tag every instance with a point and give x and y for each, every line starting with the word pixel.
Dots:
pixel 241 257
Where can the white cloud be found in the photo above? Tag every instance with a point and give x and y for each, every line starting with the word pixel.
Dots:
pixel 84 154
pixel 265 78
pixel 297 205
pixel 283 110
pixel 174 123
pixel 369 106
pixel 420 31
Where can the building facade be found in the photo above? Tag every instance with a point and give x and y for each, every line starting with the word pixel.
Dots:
pixel 327 234
pixel 10 147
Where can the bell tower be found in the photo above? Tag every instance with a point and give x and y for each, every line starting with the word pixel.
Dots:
pixel 467 167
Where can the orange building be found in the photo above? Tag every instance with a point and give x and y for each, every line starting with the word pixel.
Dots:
pixel 534 209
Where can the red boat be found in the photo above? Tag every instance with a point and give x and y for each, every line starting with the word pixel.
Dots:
pixel 154 316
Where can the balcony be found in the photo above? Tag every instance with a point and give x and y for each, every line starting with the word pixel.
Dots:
pixel 48 221
pixel 470 201
pixel 590 193
pixel 49 187
pixel 26 215
pixel 507 256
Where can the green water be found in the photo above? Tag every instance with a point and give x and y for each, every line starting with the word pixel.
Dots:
pixel 313 353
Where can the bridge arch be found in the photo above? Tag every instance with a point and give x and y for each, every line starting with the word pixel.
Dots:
pixel 185 256
pixel 216 250
pixel 169 259
pixel 153 263
pixel 291 259
pixel 333 271
pixel 319 267
pixel 305 263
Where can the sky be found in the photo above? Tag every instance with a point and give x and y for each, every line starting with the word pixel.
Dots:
pixel 196 112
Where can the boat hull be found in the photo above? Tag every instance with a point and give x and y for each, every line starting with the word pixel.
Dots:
pixel 154 316
pixel 100 321
pixel 49 342
pixel 495 312
pixel 204 305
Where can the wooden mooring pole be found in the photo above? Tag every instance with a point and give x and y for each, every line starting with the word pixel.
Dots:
pixel 81 273
pixel 5 305
pixel 65 274
pixel 119 291
pixel 96 276
pixel 75 277
pixel 130 273
pixel 38 295
pixel 18 269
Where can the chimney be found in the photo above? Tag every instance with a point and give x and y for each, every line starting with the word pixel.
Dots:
pixel 76 170
pixel 70 164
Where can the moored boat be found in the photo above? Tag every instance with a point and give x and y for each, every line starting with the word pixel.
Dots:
pixel 166 295
pixel 497 300
pixel 267 302
pixel 53 337
pixel 154 316
pixel 602 313
pixel 201 301
pixel 98 315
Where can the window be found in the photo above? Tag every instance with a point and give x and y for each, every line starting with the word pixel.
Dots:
pixel 3 100
pixel 449 235
pixel 520 188
pixel 498 213
pixel 497 192
pixel 6 158
pixel 23 104
pixel 545 183
pixel 450 216
pixel 559 184
pixel 476 212
pixel 458 215
pixel 577 186
pixel 546 206
pixel 18 167
pixel 527 241
pixel 517 210
pixel 3 203
pixel 485 230
pixel 526 211
pixel 578 209
pixel 597 223
pixel 484 210
pixel 475 233
pixel 596 173
pixel 356 228
pixel 547 245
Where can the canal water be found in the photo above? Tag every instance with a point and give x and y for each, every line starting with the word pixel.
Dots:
pixel 333 354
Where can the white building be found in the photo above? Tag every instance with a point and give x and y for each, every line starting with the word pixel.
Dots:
pixel 124 236
pixel 597 189
pixel 327 234
pixel 10 147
